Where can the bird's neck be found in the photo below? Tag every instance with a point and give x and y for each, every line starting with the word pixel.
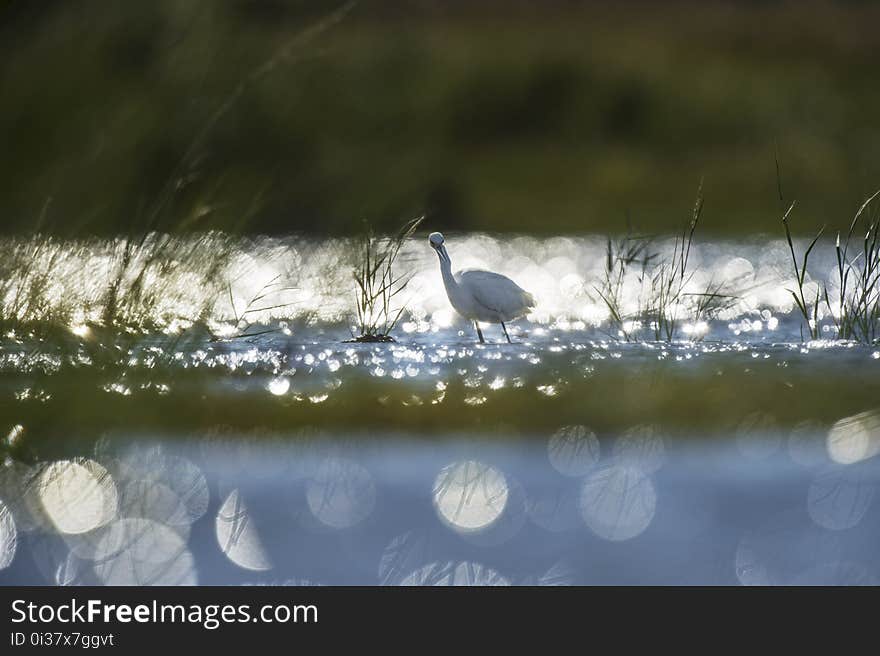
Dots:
pixel 446 269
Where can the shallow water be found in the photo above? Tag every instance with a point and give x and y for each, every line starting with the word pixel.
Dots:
pixel 736 454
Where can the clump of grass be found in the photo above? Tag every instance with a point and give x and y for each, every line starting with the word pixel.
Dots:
pixel 620 257
pixel 664 301
pixel 855 310
pixel 35 299
pixel 137 298
pixel 25 285
pixel 858 297
pixel 48 286
pixel 26 282
pixel 377 284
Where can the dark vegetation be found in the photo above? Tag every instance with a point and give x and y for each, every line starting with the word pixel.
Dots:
pixel 540 117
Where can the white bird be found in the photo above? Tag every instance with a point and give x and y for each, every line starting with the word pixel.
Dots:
pixel 481 295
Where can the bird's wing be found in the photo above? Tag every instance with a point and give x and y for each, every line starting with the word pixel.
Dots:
pixel 496 292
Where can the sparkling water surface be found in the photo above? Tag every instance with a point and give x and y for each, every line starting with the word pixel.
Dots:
pixel 221 440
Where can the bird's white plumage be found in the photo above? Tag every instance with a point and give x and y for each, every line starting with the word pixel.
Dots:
pixel 481 295
pixel 496 298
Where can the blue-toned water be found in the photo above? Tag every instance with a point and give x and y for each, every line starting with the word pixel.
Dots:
pixel 388 509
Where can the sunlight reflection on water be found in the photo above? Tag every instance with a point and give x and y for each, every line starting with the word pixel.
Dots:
pixel 470 495
pixel 238 536
pixel 572 466
pixel 618 502
pixel 855 438
pixel 237 281
pixel 573 450
pixel 341 493
pixel 76 496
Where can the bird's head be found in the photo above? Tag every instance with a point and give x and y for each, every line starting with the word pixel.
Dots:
pixel 436 240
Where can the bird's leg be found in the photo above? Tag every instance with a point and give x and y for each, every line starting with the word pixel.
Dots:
pixel 479 332
pixel 504 328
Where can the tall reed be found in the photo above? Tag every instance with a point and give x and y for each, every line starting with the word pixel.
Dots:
pixel 810 314
pixel 377 284
pixel 671 277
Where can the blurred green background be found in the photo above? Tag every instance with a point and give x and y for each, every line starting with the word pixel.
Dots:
pixel 544 117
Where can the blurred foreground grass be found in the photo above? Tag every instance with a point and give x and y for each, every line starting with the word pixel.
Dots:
pixel 535 117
